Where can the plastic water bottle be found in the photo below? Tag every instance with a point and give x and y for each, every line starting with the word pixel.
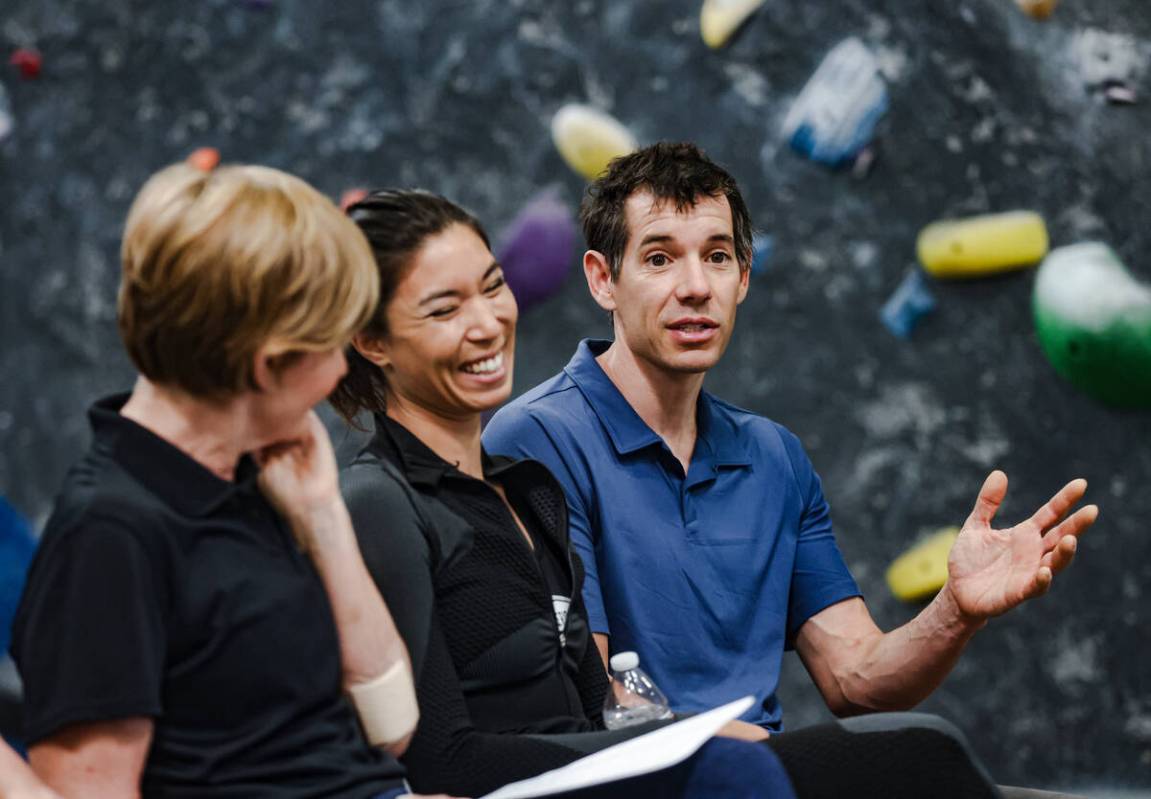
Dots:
pixel 632 697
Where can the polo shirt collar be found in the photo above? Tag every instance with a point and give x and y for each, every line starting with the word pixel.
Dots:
pixel 717 427
pixel 177 478
pixel 418 462
pixel 629 433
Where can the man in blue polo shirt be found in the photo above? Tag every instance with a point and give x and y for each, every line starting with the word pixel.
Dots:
pixel 703 528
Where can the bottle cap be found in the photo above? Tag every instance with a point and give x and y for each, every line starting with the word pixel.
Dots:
pixel 624 661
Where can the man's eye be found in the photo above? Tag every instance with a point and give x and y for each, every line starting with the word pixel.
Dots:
pixel 658 259
pixel 447 310
pixel 495 285
pixel 720 257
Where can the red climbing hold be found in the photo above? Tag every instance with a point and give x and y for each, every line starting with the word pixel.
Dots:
pixel 28 61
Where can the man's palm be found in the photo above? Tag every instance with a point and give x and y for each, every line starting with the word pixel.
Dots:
pixel 991 571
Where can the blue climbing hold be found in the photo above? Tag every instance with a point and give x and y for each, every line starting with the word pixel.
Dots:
pixel 835 115
pixel 17 545
pixel 907 304
pixel 762 248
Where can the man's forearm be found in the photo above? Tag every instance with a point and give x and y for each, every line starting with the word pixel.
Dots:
pixel 899 669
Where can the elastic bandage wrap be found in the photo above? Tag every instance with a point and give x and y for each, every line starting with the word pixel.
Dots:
pixel 387 705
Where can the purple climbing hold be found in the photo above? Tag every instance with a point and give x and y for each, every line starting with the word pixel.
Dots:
pixel 536 249
pixel 911 300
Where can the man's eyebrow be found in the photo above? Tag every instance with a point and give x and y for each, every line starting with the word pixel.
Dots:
pixel 655 238
pixel 439 295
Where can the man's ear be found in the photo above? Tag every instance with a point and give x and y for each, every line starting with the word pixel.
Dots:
pixel 599 282
pixel 744 283
pixel 373 349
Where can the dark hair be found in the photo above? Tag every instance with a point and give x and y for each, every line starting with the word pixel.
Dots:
pixel 396 223
pixel 671 171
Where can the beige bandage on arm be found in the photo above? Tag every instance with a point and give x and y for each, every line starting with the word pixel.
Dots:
pixel 387 705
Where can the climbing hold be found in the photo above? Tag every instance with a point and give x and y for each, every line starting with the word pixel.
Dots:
pixel 719 19
pixel 762 247
pixel 205 159
pixel 1118 92
pixel 352 196
pixel 982 245
pixel 588 139
pixel 1037 9
pixel 1093 319
pixel 922 570
pixel 835 115
pixel 28 61
pixel 911 300
pixel 6 121
pixel 536 249
pixel 17 545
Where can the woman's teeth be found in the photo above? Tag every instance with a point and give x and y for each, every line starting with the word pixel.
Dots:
pixel 486 366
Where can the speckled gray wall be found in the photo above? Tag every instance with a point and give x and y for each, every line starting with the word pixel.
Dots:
pixel 989 111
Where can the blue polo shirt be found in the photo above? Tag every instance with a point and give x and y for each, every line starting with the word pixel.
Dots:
pixel 708 575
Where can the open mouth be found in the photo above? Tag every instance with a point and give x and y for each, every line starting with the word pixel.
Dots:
pixel 695 324
pixel 485 366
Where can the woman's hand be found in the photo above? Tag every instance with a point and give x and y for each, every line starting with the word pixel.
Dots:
pixel 299 477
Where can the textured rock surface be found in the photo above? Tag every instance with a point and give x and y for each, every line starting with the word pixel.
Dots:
pixel 990 111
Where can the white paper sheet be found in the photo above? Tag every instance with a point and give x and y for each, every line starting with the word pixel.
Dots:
pixel 656 750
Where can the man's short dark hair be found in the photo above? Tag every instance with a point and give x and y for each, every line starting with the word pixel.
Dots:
pixel 676 172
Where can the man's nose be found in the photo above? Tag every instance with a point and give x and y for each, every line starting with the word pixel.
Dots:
pixel 693 285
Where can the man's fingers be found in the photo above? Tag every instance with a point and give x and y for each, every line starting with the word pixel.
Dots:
pixel 1056 507
pixel 1060 558
pixel 1073 525
pixel 990 497
pixel 1040 583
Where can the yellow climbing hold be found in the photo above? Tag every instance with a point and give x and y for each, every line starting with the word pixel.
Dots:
pixel 922 570
pixel 588 139
pixel 982 245
pixel 719 19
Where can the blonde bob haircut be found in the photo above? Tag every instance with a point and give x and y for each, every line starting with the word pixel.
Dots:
pixel 221 266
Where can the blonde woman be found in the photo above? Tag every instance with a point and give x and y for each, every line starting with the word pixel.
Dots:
pixel 198 603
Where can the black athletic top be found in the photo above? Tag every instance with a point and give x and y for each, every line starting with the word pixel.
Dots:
pixel 504 694
pixel 161 590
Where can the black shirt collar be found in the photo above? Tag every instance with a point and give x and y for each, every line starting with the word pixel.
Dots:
pixel 419 464
pixel 160 466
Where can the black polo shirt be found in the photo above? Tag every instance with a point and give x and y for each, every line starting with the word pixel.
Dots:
pixel 161 590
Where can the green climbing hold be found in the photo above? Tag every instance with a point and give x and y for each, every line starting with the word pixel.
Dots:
pixel 1094 323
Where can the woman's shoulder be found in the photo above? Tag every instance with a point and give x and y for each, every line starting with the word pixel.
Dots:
pixel 373 482
pixel 383 503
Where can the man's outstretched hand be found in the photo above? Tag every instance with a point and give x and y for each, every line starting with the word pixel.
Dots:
pixel 991 571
